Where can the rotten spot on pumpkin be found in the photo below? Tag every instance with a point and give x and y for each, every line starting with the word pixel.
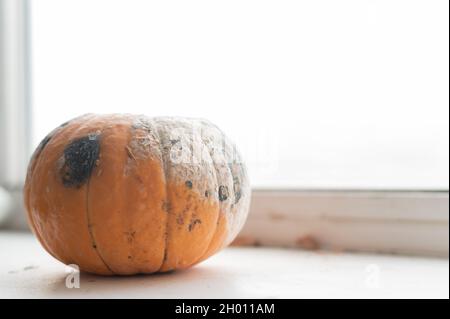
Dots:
pixel 207 194
pixel 44 142
pixel 223 193
pixel 193 223
pixel 47 139
pixel 139 179
pixel 166 206
pixel 130 236
pixel 189 184
pixel 80 157
pixel 237 187
pixel 180 219
pixel 37 152
pixel 64 124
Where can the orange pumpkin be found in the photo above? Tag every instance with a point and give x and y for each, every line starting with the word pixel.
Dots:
pixel 127 194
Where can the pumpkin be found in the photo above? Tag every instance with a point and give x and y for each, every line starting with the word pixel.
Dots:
pixel 125 194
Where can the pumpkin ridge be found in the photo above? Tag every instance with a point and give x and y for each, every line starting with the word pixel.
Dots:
pixel 217 241
pixel 230 208
pixel 145 148
pixel 167 200
pixel 219 210
pixel 90 143
pixel 236 160
pixel 104 201
pixel 89 226
pixel 28 191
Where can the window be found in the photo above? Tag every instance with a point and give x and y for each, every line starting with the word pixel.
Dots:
pixel 347 101
pixel 319 94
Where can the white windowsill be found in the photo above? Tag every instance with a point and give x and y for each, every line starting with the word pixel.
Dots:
pixel 27 271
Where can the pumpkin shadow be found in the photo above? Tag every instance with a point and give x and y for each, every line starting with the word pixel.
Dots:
pixel 201 281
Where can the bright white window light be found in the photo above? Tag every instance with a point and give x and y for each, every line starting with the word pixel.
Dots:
pixel 318 94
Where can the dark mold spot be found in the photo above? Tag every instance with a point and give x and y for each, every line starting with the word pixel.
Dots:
pixel 80 158
pixel 37 153
pixel 207 194
pixel 64 124
pixel 44 142
pixel 237 187
pixel 238 197
pixel 193 223
pixel 94 246
pixel 223 193
pixel 188 184
pixel 47 139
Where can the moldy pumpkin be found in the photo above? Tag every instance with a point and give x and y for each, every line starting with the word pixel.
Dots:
pixel 126 194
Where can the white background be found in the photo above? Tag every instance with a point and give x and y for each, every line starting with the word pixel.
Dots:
pixel 317 94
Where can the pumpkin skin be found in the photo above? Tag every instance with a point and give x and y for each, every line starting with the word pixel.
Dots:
pixel 127 194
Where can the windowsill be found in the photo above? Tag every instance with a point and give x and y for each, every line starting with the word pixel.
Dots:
pixel 27 271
